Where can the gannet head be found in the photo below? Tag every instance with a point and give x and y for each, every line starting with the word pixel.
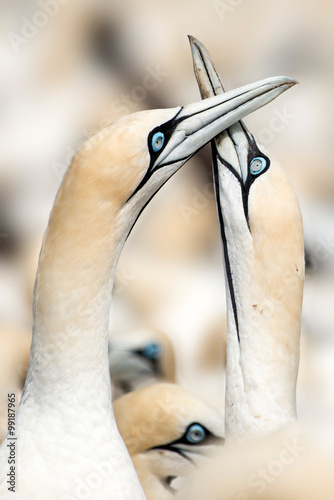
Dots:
pixel 261 213
pixel 170 431
pixel 140 357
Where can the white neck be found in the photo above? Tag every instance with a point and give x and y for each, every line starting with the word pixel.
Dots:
pixel 264 293
pixel 261 369
pixel 73 295
pixel 65 422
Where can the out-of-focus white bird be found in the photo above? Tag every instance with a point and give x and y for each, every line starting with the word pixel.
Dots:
pixel 168 431
pixel 139 358
pixel 262 237
pixel 290 464
pixel 67 441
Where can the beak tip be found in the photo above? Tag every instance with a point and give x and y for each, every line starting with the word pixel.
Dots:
pixel 195 44
pixel 291 82
pixel 192 38
pixel 284 82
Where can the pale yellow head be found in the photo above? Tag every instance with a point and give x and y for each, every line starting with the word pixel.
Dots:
pixel 168 430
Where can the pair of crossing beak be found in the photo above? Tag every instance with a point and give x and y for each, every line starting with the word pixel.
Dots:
pixel 172 143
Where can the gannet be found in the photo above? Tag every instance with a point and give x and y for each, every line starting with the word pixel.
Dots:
pixel 67 440
pixel 140 357
pixel 170 433
pixel 262 237
pixel 290 464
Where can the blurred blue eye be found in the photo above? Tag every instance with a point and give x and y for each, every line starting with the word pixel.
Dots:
pixel 158 140
pixel 152 351
pixel 196 433
pixel 257 165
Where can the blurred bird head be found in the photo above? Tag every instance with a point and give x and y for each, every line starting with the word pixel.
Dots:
pixel 139 358
pixel 167 430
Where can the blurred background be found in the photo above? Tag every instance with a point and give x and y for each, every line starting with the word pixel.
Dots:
pixel 67 68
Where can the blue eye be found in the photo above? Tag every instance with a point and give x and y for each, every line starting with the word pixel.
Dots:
pixel 158 140
pixel 196 434
pixel 152 351
pixel 257 165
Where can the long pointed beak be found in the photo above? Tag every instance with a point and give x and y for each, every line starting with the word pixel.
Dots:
pixel 207 77
pixel 196 124
pixel 234 144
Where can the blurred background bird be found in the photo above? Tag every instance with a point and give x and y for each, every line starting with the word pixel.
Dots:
pixel 290 464
pixel 74 71
pixel 139 358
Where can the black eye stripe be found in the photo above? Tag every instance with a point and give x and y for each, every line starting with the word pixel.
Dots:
pixel 253 152
pixel 208 439
pixel 167 130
